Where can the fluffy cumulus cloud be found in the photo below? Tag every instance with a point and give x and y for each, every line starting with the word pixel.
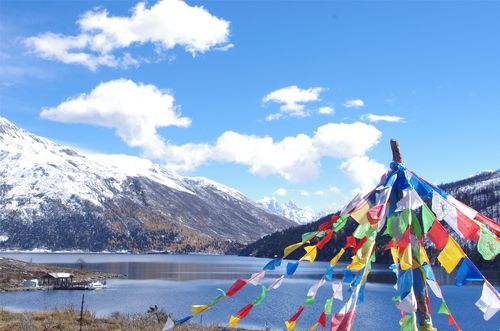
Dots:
pixel 134 110
pixel 382 118
pixel 281 192
pixel 354 103
pixel 166 24
pixel 292 99
pixel 363 171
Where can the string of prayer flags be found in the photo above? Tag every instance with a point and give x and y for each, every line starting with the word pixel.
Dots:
pixel 407 208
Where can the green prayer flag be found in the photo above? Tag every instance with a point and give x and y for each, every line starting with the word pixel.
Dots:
pixel 443 309
pixel 308 235
pixel 217 298
pixel 428 217
pixel 341 222
pixel 261 297
pixel 361 230
pixel 404 220
pixel 328 306
pixel 417 229
pixel 488 246
pixel 407 323
pixel 309 301
pixel 389 229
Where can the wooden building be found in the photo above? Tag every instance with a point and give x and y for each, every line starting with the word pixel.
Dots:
pixel 59 279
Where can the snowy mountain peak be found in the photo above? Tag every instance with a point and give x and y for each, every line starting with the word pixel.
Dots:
pixel 289 210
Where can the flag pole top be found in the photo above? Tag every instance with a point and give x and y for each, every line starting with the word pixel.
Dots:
pixel 396 153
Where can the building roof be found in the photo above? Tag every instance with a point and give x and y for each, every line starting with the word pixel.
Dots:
pixel 59 274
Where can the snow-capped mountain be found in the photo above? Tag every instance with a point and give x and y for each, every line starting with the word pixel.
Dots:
pixel 289 210
pixel 52 196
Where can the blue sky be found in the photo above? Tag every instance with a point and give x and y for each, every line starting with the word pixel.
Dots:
pixel 431 67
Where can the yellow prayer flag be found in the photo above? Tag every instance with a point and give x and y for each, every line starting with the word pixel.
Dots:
pixel 198 309
pixel 423 256
pixel 405 258
pixel 356 264
pixel 337 257
pixel 312 328
pixel 361 213
pixel 291 248
pixel 310 255
pixel 450 255
pixel 290 326
pixel 395 255
pixel 233 320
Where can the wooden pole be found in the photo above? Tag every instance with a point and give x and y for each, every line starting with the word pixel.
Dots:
pixel 396 153
pixel 81 311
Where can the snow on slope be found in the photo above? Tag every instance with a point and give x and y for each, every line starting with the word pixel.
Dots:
pixel 35 168
pixel 289 210
pixel 45 181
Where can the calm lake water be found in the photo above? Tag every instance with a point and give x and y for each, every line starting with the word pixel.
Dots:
pixel 174 282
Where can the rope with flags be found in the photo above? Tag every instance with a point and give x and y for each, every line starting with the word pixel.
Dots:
pixel 407 209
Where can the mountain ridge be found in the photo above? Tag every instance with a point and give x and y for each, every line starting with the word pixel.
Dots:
pixel 55 197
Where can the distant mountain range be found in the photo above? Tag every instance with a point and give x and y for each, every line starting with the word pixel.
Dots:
pixel 290 210
pixel 54 197
pixel 480 191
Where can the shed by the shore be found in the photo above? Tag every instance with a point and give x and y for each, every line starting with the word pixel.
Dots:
pixel 62 279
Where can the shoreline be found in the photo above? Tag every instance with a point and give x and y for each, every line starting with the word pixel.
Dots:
pixel 69 319
pixel 14 272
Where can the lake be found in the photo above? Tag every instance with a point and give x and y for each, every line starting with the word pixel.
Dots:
pixel 174 282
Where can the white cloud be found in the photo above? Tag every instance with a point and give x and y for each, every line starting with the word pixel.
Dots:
pixel 304 193
pixel 166 24
pixel 134 110
pixel 319 193
pixel 363 171
pixel 281 192
pixel 137 110
pixel 342 140
pixel 274 117
pixel 293 99
pixel 354 103
pixel 326 110
pixel 385 118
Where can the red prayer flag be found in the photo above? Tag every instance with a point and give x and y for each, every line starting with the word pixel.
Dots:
pixel 350 242
pixel 389 245
pixel 376 213
pixel 360 244
pixel 297 314
pixel 329 223
pixel 244 311
pixel 342 322
pixel 438 235
pixel 405 240
pixel 237 285
pixel 467 227
pixel 489 222
pixel 326 239
pixel 322 319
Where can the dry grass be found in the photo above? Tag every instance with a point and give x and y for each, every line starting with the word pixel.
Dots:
pixel 69 320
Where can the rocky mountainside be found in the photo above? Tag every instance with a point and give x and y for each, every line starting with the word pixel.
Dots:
pixel 53 197
pixel 289 210
pixel 480 191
